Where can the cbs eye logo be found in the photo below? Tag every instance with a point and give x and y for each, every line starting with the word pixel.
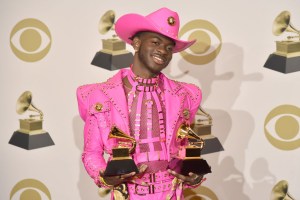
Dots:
pixel 200 193
pixel 282 127
pixel 208 44
pixel 30 40
pixel 30 189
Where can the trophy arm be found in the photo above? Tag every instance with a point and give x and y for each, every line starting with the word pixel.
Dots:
pixel 131 150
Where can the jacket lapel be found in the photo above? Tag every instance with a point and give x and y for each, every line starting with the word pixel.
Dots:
pixel 115 92
pixel 174 98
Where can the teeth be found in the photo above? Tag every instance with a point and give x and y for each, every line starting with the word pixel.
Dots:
pixel 158 59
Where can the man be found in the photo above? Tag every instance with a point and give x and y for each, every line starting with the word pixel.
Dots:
pixel 144 104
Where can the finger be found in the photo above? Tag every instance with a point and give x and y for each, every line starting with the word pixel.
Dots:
pixel 193 176
pixel 179 176
pixel 142 168
pixel 101 173
pixel 125 176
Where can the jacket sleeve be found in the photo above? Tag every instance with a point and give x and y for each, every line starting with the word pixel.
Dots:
pixel 92 156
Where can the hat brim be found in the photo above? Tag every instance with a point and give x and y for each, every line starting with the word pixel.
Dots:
pixel 130 24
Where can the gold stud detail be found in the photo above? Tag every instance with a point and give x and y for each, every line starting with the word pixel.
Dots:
pixel 98 106
pixel 171 21
pixel 186 113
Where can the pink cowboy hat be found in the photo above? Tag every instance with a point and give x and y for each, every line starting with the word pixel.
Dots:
pixel 162 21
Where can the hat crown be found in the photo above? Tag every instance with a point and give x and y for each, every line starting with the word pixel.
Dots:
pixel 163 21
pixel 166 21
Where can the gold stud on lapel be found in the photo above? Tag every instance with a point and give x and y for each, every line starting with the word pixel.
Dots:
pixel 98 107
pixel 186 113
pixel 171 21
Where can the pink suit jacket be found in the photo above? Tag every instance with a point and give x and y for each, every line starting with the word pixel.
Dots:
pixel 104 105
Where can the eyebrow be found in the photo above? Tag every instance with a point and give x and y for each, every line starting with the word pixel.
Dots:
pixel 160 38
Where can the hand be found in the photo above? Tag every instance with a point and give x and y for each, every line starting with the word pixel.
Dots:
pixel 191 179
pixel 117 180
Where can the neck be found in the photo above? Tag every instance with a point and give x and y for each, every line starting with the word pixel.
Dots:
pixel 142 73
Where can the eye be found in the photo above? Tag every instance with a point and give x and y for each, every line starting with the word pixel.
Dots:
pixel 208 44
pixel 30 40
pixel 170 48
pixel 30 189
pixel 156 43
pixel 282 127
pixel 200 193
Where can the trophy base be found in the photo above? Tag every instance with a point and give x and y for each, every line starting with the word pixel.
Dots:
pixel 212 145
pixel 119 167
pixel 28 141
pixel 112 62
pixel 185 166
pixel 283 64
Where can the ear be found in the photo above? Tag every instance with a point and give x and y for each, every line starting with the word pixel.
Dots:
pixel 136 42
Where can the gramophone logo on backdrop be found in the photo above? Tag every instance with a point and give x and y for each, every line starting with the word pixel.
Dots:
pixel 31 134
pixel 280 191
pixel 30 189
pixel 113 55
pixel 286 59
pixel 30 40
pixel 200 193
pixel 282 127
pixel 208 45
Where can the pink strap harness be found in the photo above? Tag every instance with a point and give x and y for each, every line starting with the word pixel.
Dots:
pixel 150 88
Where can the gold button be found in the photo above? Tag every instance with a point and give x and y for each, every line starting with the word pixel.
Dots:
pixel 98 106
pixel 186 113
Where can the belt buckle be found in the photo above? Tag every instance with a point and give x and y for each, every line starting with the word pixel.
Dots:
pixel 152 177
pixel 151 189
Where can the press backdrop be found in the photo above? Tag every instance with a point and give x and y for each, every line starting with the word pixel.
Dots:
pixel 47 47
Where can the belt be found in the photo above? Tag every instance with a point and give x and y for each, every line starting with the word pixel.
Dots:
pixel 150 189
pixel 156 177
pixel 151 183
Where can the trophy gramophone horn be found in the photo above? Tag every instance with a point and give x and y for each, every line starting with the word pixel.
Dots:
pixel 117 133
pixel 106 22
pixel 282 23
pixel 185 131
pixel 280 191
pixel 24 103
pixel 121 162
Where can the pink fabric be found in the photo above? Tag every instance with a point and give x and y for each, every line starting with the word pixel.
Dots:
pixel 110 94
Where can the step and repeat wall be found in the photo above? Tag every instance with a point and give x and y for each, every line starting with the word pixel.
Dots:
pixel 246 62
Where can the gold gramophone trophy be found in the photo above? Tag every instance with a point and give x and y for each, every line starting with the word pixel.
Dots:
pixel 121 162
pixel 280 191
pixel 286 59
pixel 113 55
pixel 31 134
pixel 203 127
pixel 189 158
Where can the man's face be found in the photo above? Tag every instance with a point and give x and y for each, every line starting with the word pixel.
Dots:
pixel 154 51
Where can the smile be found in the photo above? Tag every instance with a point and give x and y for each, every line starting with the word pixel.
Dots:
pixel 159 60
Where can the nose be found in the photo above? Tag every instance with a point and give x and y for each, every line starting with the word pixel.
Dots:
pixel 162 49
